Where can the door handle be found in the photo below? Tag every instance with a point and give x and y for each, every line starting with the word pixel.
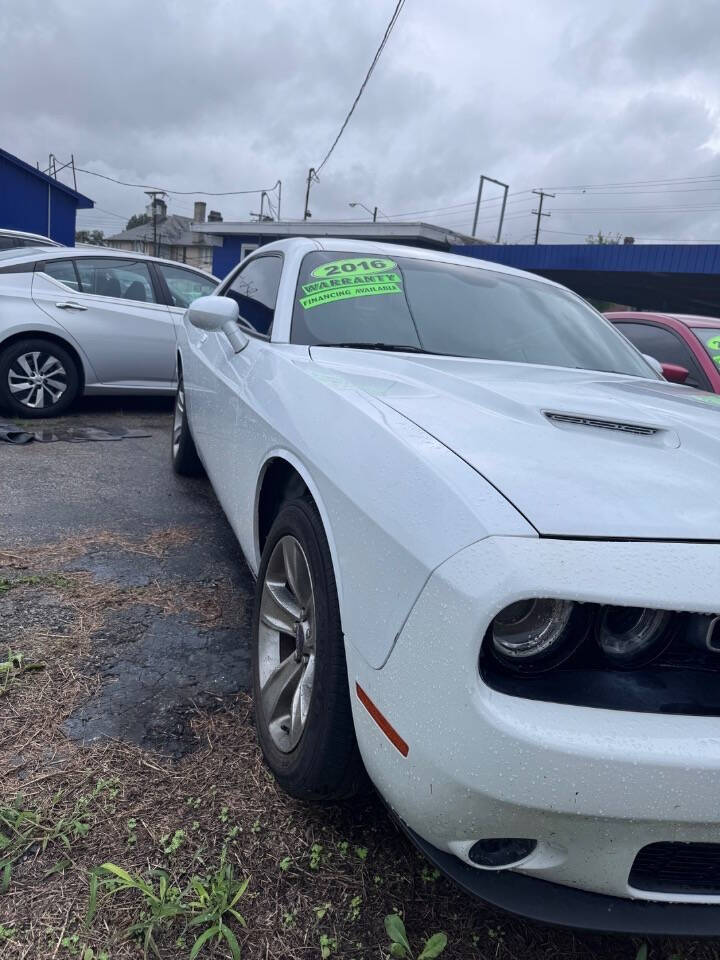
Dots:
pixel 70 305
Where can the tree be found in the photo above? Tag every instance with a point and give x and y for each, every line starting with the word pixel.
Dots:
pixel 96 237
pixel 603 238
pixel 138 220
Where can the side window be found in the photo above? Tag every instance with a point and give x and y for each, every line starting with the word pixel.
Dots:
pixel 185 285
pixel 246 249
pixel 255 291
pixel 107 277
pixel 62 270
pixel 667 347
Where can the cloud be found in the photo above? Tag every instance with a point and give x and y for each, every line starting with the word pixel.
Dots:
pixel 228 95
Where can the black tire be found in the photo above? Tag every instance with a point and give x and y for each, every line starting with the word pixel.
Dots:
pixel 325 765
pixel 65 372
pixel 183 453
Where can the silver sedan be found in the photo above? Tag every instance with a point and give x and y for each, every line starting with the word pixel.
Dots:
pixel 79 321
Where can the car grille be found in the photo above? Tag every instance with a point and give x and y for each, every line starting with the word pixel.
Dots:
pixel 677 868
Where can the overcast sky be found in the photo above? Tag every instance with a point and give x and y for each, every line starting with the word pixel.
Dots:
pixel 224 95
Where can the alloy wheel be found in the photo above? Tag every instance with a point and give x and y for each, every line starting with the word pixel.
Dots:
pixel 178 418
pixel 37 379
pixel 286 643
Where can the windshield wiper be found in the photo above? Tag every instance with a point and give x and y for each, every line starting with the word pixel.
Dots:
pixel 359 345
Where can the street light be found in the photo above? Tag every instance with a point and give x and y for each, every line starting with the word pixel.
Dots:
pixel 373 213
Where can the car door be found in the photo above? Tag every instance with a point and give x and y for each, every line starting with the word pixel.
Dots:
pixel 665 345
pixel 220 386
pixel 110 306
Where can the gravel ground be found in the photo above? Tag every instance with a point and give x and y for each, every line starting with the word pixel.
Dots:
pixel 127 738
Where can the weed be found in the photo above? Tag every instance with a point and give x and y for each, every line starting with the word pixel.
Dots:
pixel 400 946
pixel 207 903
pixel 321 910
pixel 285 864
pixel 288 919
pixel 430 876
pixel 23 830
pixel 131 829
pixel 343 847
pixel 6 933
pixel 354 910
pixel 361 853
pixel 255 828
pixel 13 668
pixel 172 844
pixel 316 856
pixel 161 904
pixel 71 943
pixel 216 899
pixel 328 946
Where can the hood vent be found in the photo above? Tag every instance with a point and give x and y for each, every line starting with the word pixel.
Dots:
pixel 578 421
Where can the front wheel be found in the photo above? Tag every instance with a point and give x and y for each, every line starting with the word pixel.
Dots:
pixel 302 701
pixel 183 453
pixel 38 378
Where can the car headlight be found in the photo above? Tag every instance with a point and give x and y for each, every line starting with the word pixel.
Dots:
pixel 531 634
pixel 628 636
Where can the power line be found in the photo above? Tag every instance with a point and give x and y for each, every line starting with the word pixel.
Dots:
pixel 388 30
pixel 640 183
pixel 178 193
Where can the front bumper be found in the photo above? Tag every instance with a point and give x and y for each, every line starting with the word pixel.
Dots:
pixel 593 786
pixel 564 906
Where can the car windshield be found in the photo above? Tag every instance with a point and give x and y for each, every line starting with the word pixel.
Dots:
pixel 710 339
pixel 454 310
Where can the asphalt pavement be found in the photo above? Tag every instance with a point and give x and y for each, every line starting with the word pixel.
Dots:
pixel 133 526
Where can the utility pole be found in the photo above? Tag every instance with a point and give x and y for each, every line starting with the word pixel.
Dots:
pixel 539 212
pixel 310 177
pixel 153 194
pixel 483 178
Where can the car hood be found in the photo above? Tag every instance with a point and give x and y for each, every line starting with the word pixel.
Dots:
pixel 579 453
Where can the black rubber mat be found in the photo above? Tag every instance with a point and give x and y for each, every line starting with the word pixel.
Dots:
pixel 12 433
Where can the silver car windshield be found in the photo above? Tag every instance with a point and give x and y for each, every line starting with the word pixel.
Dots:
pixel 455 310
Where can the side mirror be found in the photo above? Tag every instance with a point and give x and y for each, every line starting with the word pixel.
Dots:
pixel 655 364
pixel 218 315
pixel 675 373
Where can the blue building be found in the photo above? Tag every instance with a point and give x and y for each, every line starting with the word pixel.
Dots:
pixel 34 202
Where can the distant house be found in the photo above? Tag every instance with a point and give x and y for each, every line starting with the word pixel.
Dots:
pixel 170 236
pixel 37 203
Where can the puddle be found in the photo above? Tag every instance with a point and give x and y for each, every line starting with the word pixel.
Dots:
pixel 155 668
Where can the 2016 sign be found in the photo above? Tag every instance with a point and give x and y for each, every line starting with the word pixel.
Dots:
pixel 338 268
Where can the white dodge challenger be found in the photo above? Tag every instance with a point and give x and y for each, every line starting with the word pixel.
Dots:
pixel 486 536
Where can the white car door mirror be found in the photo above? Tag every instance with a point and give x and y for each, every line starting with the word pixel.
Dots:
pixel 218 315
pixel 655 364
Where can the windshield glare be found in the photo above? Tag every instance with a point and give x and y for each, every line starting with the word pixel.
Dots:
pixel 710 339
pixel 455 310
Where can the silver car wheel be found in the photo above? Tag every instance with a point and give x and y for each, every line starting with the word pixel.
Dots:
pixel 286 643
pixel 178 418
pixel 37 379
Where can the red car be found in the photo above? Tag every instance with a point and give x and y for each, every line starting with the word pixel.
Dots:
pixel 688 347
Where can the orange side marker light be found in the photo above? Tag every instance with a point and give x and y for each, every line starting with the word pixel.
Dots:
pixel 387 728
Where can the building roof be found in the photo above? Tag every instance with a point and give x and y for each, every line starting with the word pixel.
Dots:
pixel 81 201
pixel 612 257
pixel 174 230
pixel 350 229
